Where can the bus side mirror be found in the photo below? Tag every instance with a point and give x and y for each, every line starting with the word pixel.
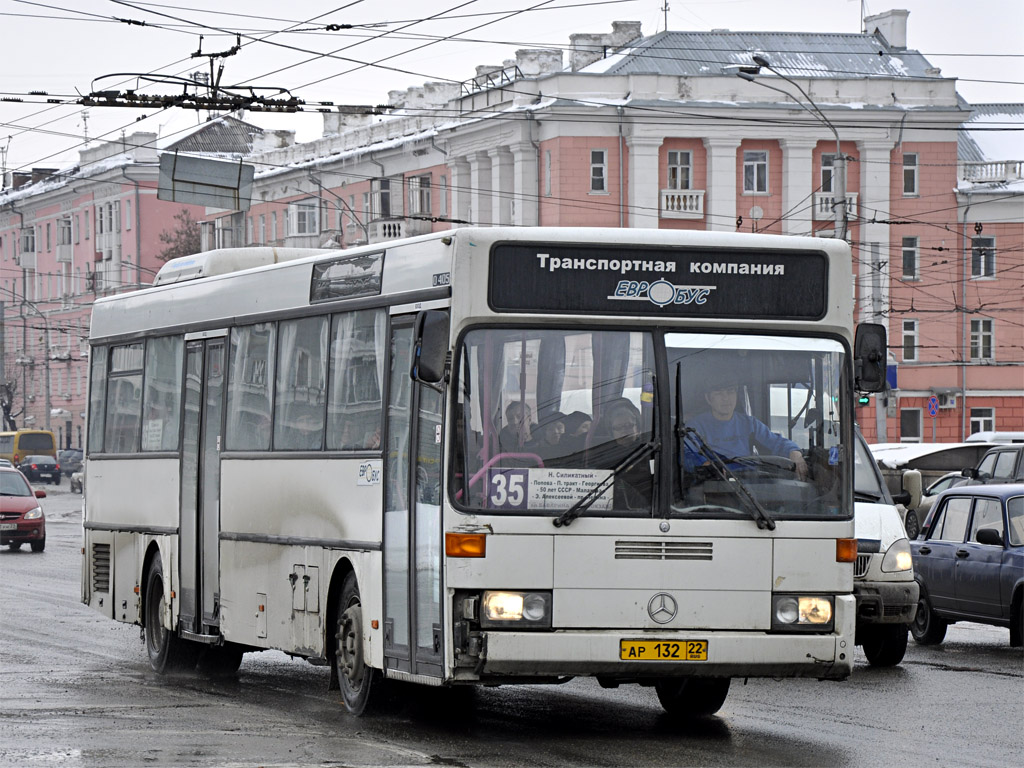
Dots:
pixel 869 357
pixel 430 348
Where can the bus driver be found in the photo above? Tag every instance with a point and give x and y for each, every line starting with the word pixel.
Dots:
pixel 733 434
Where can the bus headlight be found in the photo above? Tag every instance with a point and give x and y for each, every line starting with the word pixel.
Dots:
pixel 898 557
pixel 802 612
pixel 520 610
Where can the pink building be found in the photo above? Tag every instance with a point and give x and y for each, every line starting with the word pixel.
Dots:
pixel 659 131
pixel 66 237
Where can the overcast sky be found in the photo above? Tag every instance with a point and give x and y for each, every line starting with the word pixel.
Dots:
pixel 64 47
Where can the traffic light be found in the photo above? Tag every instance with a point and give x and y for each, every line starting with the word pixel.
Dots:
pixel 864 400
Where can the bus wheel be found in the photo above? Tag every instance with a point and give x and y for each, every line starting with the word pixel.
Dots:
pixel 220 660
pixel 167 652
pixel 355 678
pixel 885 644
pixel 692 696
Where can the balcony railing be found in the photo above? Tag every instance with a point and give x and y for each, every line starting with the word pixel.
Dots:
pixel 64 253
pixel 1003 171
pixel 682 203
pixel 825 205
pixel 392 229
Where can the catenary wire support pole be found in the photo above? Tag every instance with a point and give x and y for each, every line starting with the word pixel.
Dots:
pixel 839 167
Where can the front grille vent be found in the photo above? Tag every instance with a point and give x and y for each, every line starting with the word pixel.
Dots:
pixel 650 549
pixel 860 568
pixel 100 567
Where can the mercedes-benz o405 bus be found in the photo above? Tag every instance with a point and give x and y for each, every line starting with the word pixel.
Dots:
pixel 485 457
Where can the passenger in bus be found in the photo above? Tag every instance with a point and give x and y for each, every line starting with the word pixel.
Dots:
pixel 516 433
pixel 615 436
pixel 547 439
pixel 577 425
pixel 731 434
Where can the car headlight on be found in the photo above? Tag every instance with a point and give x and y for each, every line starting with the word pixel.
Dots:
pixel 802 612
pixel 519 610
pixel 898 557
pixel 34 514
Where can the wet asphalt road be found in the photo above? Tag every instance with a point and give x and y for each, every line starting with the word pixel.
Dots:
pixel 76 690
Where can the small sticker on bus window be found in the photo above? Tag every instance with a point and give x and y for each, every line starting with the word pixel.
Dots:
pixel 833 455
pixel 369 473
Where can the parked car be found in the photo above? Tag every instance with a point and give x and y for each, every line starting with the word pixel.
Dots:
pixel 948 480
pixel 6 463
pixel 70 461
pixel 1002 464
pixel 970 562
pixel 883 576
pixel 21 515
pixel 78 482
pixel 38 468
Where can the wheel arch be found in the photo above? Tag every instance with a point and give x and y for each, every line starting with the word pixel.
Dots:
pixel 152 552
pixel 342 569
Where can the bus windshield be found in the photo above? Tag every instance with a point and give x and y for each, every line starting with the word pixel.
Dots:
pixel 757 416
pixel 745 425
pixel 545 416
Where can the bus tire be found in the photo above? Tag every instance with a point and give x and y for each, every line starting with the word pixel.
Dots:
pixel 220 660
pixel 355 678
pixel 885 644
pixel 167 652
pixel 688 697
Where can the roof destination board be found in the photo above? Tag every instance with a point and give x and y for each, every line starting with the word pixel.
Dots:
pixel 674 282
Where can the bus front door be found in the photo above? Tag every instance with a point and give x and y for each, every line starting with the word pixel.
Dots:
pixel 199 525
pixel 413 641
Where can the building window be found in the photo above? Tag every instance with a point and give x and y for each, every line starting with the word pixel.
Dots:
pixel 983 257
pixel 64 232
pixel 755 173
pixel 910 425
pixel 910 258
pixel 49 241
pixel 547 173
pixel 248 230
pixel 598 171
pixel 78 229
pixel 382 198
pixel 981 339
pixel 127 214
pixel 367 207
pixel 909 174
pixel 273 225
pixel 303 217
pixel 444 195
pixel 86 213
pixel 679 165
pixel 263 228
pixel 419 194
pixel 983 420
pixel 910 340
pixel 828 167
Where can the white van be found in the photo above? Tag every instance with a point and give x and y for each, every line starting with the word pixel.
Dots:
pixel 883 575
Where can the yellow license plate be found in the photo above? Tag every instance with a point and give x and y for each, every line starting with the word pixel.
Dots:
pixel 663 650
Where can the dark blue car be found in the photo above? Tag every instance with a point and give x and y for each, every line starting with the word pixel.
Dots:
pixel 969 561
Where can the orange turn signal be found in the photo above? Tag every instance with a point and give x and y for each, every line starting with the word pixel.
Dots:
pixel 846 550
pixel 465 544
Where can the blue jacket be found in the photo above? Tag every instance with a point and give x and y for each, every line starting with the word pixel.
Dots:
pixel 733 438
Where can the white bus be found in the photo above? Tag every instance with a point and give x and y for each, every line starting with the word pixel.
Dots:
pixel 329 454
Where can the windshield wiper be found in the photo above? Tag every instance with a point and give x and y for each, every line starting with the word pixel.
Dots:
pixel 639 453
pixel 761 515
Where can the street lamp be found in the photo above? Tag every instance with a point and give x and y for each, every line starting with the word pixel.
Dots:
pixel 839 172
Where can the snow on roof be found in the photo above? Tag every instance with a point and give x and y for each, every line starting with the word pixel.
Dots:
pixel 993 132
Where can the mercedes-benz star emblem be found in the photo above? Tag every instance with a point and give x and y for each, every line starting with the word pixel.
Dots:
pixel 662 608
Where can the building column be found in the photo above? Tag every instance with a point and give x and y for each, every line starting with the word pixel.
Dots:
pixel 642 188
pixel 874 203
pixel 480 193
pixel 525 184
pixel 797 186
pixel 720 197
pixel 460 188
pixel 502 184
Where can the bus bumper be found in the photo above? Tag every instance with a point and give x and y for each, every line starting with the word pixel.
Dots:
pixel 729 654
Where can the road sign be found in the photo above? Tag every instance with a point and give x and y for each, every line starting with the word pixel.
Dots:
pixel 933 405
